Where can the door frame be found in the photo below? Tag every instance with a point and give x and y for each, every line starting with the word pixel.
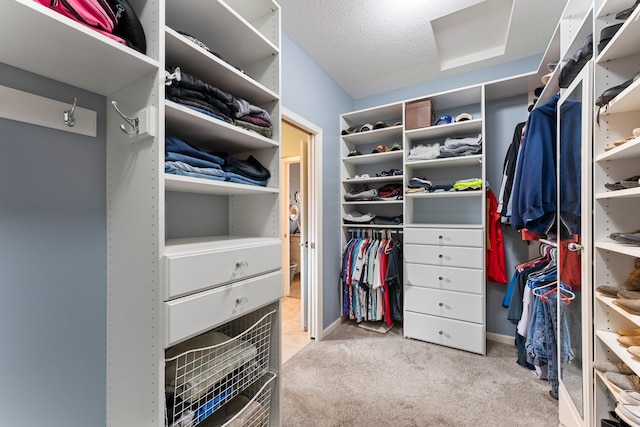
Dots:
pixel 315 263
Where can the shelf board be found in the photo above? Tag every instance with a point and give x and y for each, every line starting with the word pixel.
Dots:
pixel 103 67
pixel 609 339
pixel 619 248
pixel 425 195
pixel 371 180
pixel 625 42
pixel 187 184
pixel 195 245
pixel 475 159
pixel 208 67
pixel 385 113
pixel 376 136
pixel 442 131
pixel 619 194
pixel 197 127
pixel 627 100
pixel 442 225
pixel 373 202
pixel 232 36
pixel 394 227
pixel 628 150
pixel 612 7
pixel 370 159
pixel 608 301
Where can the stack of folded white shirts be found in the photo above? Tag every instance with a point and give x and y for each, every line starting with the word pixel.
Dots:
pixel 424 152
pixel 454 147
pixel 357 217
pixel 360 192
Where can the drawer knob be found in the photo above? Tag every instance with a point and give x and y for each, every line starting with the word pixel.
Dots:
pixel 440 237
pixel 440 256
pixel 440 332
pixel 441 304
pixel 440 278
pixel 241 264
pixel 241 300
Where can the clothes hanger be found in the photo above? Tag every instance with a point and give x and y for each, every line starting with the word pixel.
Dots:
pixel 536 290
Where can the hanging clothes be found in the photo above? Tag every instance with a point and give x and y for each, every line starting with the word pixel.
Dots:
pixel 496 270
pixel 372 278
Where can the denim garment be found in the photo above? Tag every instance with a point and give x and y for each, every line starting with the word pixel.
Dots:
pixel 170 156
pixel 176 145
pixel 566 353
pixel 210 114
pixel 537 338
pixel 175 171
pixel 239 179
pixel 203 171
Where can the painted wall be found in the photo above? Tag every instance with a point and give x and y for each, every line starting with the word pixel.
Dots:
pixel 310 93
pixel 52 266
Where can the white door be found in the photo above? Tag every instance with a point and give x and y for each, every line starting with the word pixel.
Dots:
pixel 304 234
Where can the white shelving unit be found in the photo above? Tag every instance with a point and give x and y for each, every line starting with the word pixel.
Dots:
pixel 184 255
pixel 613 261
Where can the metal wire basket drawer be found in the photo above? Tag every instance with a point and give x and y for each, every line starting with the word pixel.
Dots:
pixel 206 372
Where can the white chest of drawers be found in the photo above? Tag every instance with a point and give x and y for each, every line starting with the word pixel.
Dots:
pixel 444 271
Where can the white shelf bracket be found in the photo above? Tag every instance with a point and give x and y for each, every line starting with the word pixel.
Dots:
pixel 26 107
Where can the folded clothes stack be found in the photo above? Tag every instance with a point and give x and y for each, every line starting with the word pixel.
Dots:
pixel 181 158
pixel 358 218
pixel 198 95
pixel 452 147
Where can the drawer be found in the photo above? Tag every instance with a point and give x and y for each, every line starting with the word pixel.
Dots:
pixel 446 256
pixel 453 305
pixel 446 278
pixel 445 236
pixel 192 267
pixel 448 332
pixel 191 315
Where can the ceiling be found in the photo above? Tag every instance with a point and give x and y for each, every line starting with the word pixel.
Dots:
pixel 370 47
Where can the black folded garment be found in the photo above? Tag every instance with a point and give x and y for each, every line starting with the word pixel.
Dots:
pixel 607 34
pixel 251 168
pixel 633 238
pixel 623 15
pixel 573 66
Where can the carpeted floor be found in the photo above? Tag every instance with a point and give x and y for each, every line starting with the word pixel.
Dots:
pixel 359 378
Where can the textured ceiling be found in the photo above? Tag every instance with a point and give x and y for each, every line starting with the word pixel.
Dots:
pixel 374 46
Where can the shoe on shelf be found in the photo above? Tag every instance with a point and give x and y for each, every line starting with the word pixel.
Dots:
pixel 609 290
pixel 618 382
pixel 626 13
pixel 625 294
pixel 633 237
pixel 629 340
pixel 629 332
pixel 619 367
pixel 630 414
pixel 634 350
pixel 630 305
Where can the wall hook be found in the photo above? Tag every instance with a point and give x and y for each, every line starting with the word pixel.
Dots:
pixel 133 122
pixel 69 118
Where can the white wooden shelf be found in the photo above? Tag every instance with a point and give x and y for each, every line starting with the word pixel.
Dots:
pixel 374 158
pixel 611 7
pixel 102 65
pixel 197 61
pixel 217 24
pixel 442 131
pixel 443 225
pixel 610 340
pixel 187 184
pixel 619 194
pixel 625 42
pixel 628 150
pixel 627 100
pixel 373 180
pixel 194 126
pixel 446 162
pixel 619 248
pixel 385 113
pixel 441 194
pixel 373 202
pixel 196 245
pixel 608 301
pixel 386 135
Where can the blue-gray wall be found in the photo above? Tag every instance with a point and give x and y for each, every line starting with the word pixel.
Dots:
pixel 52 266
pixel 310 93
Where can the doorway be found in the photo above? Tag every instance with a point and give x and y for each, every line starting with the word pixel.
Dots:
pixel 300 203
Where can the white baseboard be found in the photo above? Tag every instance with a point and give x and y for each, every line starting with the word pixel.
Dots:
pixel 504 339
pixel 326 331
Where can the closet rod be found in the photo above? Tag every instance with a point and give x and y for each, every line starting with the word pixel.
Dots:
pixel 37 110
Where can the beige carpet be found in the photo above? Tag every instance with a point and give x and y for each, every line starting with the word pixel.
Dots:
pixel 361 378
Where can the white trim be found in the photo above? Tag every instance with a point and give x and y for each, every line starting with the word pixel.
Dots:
pixel 315 237
pixel 332 327
pixel 504 339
